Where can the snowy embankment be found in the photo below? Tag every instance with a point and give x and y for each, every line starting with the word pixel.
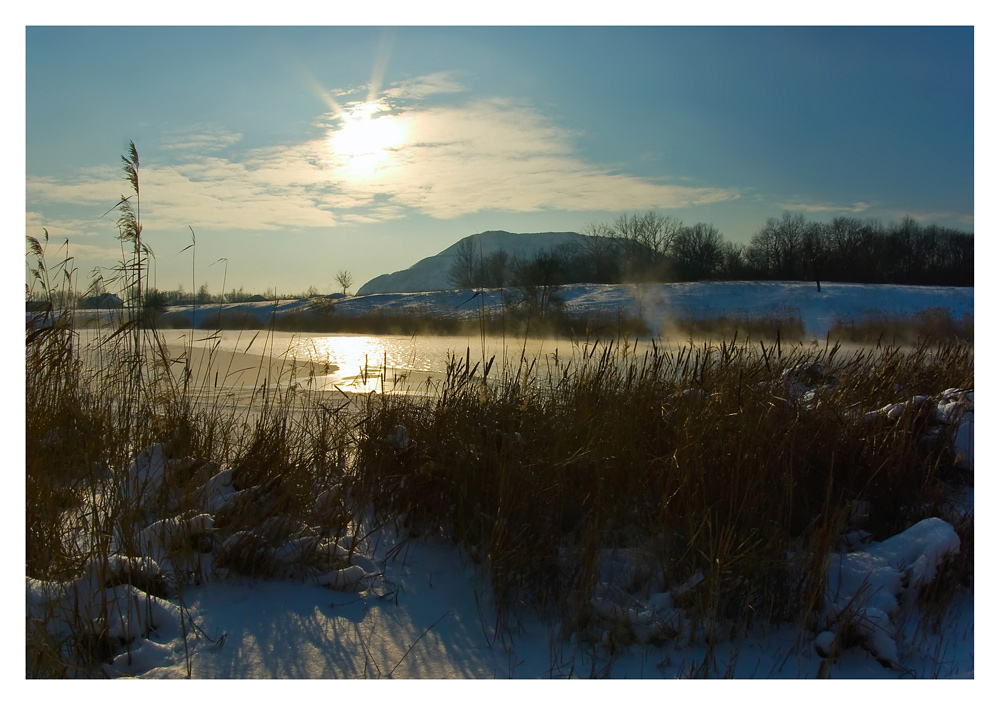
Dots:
pixel 655 304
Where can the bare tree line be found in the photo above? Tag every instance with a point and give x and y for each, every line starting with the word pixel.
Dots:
pixel 654 247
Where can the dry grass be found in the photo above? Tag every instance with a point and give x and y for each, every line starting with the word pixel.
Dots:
pixel 123 441
pixel 86 427
pixel 705 460
pixel 879 328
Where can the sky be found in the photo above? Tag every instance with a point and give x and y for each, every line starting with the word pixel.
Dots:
pixel 296 152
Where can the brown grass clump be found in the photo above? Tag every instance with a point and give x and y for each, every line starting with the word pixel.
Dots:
pixel 935 325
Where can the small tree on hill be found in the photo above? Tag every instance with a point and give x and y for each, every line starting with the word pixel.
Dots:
pixel 345 280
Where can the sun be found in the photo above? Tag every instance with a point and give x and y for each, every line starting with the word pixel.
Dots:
pixel 366 141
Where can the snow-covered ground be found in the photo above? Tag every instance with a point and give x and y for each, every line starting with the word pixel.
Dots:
pixel 427 616
pixel 425 612
pixel 655 303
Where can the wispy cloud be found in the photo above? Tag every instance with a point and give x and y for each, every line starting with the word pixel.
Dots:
pixel 858 207
pixel 268 191
pixel 878 210
pixel 424 86
pixel 199 140
pixel 36 224
pixel 81 188
pixel 493 154
pixel 458 156
pixel 79 235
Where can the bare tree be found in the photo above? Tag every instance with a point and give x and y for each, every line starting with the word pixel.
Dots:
pixel 345 280
pixel 537 279
pixel 697 252
pixel 466 271
pixel 733 265
pixel 775 249
pixel 496 269
pixel 645 240
pixel 790 232
pixel 601 252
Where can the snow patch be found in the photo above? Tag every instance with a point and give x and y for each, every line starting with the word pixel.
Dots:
pixel 865 589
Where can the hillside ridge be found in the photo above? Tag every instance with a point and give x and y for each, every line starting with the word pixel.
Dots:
pixel 431 273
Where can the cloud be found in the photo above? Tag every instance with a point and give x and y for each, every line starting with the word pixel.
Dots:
pixel 36 224
pixel 83 250
pixel 424 86
pixel 202 141
pixel 881 211
pixel 456 157
pixel 265 192
pixel 90 187
pixel 493 154
pixel 858 207
pixel 76 233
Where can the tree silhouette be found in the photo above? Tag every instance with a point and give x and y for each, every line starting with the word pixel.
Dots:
pixel 345 280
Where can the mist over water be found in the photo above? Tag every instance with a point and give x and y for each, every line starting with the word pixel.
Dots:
pixel 350 362
pixel 243 360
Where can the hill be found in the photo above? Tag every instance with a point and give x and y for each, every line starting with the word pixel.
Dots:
pixel 431 273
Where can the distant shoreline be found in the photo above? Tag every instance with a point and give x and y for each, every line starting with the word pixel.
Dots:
pixel 641 309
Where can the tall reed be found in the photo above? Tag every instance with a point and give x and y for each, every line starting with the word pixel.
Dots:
pixel 124 436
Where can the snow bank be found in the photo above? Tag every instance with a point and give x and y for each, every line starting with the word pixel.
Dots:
pixel 128 605
pixel 655 303
pixel 866 589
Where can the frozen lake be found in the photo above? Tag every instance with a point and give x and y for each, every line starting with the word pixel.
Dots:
pixel 327 362
pixel 354 362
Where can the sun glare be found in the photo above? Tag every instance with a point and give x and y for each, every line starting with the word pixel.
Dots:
pixel 366 141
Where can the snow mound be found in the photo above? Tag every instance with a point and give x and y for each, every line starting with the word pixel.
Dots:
pixel 955 407
pixel 953 413
pixel 126 603
pixel 865 589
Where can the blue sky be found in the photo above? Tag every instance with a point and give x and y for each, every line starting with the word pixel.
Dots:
pixel 297 152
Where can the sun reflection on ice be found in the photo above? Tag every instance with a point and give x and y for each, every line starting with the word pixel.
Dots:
pixel 362 363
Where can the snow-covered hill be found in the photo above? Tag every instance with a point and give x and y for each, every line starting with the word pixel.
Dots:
pixel 431 273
